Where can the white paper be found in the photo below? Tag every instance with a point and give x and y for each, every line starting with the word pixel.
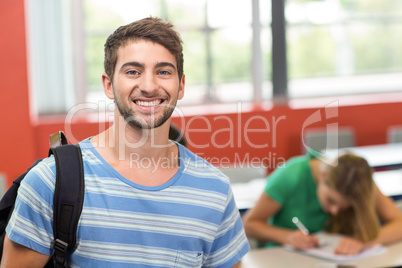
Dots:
pixel 328 243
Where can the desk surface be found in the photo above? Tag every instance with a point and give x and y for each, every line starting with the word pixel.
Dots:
pixel 382 155
pixel 279 257
pixel 389 182
pixel 378 156
pixel 247 194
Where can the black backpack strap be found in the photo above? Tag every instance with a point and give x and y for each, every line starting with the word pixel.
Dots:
pixel 68 199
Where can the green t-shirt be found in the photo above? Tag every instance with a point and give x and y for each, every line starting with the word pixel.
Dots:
pixel 293 186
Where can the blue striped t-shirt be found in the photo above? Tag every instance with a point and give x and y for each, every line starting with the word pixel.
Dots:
pixel 189 221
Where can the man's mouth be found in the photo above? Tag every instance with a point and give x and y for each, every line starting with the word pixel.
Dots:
pixel 152 103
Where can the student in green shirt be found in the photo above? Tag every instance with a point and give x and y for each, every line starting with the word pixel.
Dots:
pixel 339 198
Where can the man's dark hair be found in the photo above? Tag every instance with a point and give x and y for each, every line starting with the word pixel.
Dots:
pixel 149 29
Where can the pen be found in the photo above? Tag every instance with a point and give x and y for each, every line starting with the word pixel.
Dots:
pixel 300 225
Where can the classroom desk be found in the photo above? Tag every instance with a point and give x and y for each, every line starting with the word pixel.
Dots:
pixel 389 182
pixel 281 258
pixel 386 159
pixel 378 156
pixel 247 194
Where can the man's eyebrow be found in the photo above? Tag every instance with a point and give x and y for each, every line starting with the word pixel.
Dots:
pixel 164 64
pixel 132 64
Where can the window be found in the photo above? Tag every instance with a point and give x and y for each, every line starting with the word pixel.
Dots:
pixel 226 47
pixel 343 46
pixel 317 47
pixel 48 25
pixel 218 44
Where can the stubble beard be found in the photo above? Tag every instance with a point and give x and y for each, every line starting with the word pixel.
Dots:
pixel 137 122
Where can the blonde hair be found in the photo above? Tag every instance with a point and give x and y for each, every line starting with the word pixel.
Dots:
pixel 352 178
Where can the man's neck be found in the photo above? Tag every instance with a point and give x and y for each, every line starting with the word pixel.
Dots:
pixel 123 140
pixel 146 157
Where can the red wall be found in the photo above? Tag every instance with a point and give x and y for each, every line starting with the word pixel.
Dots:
pixel 17 132
pixel 269 132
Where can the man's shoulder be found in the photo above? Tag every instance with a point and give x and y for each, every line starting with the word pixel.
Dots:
pixel 89 153
pixel 45 167
pixel 197 166
pixel 40 179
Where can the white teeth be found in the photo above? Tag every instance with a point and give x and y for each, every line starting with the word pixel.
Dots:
pixel 148 103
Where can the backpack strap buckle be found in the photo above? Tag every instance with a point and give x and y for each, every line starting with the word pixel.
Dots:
pixel 60 248
pixel 60 245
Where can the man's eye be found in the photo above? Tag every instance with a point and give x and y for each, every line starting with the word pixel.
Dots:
pixel 164 72
pixel 132 72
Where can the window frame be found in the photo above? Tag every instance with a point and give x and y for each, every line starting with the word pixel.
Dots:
pixel 72 85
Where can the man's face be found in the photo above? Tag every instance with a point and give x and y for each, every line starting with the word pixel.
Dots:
pixel 146 85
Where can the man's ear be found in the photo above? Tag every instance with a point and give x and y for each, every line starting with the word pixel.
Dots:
pixel 180 94
pixel 107 86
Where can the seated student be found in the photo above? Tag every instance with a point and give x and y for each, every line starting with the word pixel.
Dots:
pixel 338 198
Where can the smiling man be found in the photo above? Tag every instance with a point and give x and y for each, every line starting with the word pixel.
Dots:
pixel 155 79
pixel 165 207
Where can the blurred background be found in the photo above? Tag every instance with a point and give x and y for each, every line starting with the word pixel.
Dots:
pixel 333 47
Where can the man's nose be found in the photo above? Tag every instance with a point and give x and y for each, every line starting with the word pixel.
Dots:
pixel 148 82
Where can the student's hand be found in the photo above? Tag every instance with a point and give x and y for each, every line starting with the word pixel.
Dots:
pixel 301 241
pixel 349 246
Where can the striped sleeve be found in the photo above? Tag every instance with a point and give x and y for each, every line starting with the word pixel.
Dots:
pixel 230 243
pixel 31 222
